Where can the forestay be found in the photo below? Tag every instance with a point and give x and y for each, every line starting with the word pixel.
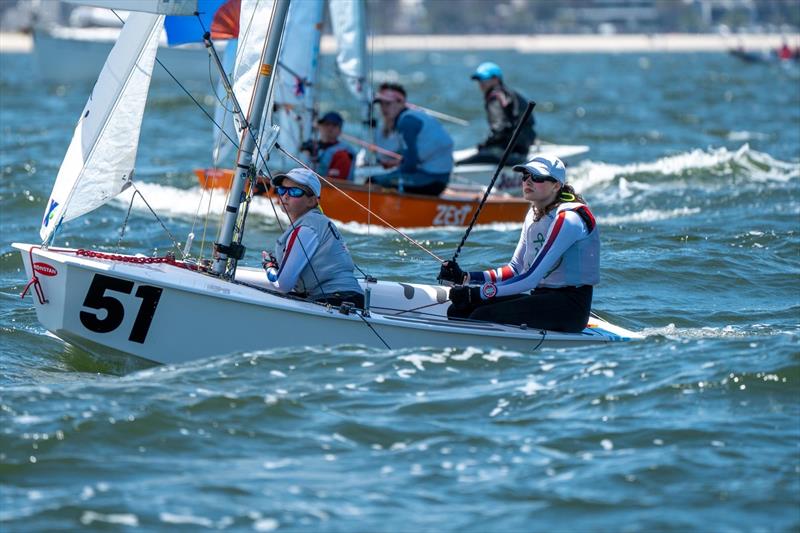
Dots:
pixel 100 159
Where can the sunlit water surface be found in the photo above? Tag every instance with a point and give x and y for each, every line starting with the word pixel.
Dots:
pixel 693 175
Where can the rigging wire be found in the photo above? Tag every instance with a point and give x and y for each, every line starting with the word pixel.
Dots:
pixel 500 165
pixel 331 184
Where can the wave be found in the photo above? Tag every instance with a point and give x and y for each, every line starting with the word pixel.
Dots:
pixel 757 166
pixel 649 215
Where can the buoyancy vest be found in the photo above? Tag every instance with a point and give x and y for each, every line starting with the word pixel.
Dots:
pixel 502 124
pixel 580 264
pixel 325 156
pixel 330 268
pixel 434 144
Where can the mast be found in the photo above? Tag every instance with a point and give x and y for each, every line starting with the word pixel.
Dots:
pixel 248 148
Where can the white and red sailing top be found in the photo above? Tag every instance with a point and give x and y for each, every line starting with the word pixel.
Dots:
pixel 561 249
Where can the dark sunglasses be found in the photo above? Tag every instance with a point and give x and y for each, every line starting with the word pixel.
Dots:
pixel 537 179
pixel 294 192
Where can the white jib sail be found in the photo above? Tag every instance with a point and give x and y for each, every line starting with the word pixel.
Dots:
pixel 100 159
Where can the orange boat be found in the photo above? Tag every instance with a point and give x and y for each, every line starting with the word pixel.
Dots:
pixel 454 207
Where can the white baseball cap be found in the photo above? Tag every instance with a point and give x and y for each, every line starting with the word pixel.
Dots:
pixel 545 165
pixel 301 176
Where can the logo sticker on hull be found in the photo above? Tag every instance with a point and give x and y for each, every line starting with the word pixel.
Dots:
pixel 44 269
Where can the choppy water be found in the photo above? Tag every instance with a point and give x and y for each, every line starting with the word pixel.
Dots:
pixel 693 174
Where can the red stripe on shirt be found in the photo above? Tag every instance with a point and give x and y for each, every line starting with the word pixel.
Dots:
pixel 288 251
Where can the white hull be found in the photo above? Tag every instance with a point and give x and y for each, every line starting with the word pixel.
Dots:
pixel 167 314
pixel 66 55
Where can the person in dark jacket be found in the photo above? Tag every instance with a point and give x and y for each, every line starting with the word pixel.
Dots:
pixel 504 107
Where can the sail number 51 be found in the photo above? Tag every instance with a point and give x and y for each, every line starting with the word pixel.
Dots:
pixel 96 298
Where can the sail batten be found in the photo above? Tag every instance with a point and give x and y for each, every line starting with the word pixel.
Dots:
pixel 100 159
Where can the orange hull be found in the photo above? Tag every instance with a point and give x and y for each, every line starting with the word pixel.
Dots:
pixel 452 208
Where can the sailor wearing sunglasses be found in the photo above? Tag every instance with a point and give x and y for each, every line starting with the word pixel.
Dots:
pixel 549 281
pixel 311 258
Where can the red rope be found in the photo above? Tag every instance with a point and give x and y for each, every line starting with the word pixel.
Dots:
pixel 169 260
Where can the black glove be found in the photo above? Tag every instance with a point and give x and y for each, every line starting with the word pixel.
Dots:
pixel 450 271
pixel 268 261
pixel 465 296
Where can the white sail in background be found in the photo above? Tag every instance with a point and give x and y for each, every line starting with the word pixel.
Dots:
pixel 161 7
pixel 100 159
pixel 297 75
pixel 349 23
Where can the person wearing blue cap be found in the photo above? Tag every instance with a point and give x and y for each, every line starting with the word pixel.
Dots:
pixel 504 107
pixel 311 258
pixel 548 283
pixel 330 156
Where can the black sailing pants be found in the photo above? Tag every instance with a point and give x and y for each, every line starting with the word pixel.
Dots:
pixel 563 309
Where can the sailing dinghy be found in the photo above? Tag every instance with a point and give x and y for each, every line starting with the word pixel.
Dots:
pixel 169 310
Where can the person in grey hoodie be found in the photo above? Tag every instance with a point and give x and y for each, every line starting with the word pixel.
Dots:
pixel 311 258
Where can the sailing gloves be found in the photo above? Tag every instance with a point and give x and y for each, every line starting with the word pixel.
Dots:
pixel 450 271
pixel 268 261
pixel 465 296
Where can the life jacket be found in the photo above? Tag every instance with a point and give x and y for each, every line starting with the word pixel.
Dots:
pixel 330 269
pixel 325 156
pixel 434 144
pixel 513 104
pixel 580 264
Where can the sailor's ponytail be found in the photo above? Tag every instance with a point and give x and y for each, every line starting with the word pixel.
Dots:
pixel 567 194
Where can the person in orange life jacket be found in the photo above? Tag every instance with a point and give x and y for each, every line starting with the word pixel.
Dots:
pixel 332 157
pixel 311 257
pixel 504 107
pixel 549 281
pixel 425 146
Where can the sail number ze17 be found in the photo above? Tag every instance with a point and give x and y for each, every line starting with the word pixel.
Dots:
pixel 114 311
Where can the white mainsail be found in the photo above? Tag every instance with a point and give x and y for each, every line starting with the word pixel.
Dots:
pixel 297 76
pixel 100 159
pixel 254 23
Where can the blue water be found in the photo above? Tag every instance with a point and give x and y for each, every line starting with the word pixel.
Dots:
pixel 693 174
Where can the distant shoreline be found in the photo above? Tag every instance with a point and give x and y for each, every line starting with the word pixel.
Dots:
pixel 662 42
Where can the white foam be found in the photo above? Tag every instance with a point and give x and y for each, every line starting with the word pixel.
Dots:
pixel 760 166
pixel 649 215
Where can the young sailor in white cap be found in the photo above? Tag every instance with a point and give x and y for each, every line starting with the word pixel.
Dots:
pixel 549 281
pixel 311 258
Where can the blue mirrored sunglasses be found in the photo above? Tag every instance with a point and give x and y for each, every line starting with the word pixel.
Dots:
pixel 294 192
pixel 537 179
